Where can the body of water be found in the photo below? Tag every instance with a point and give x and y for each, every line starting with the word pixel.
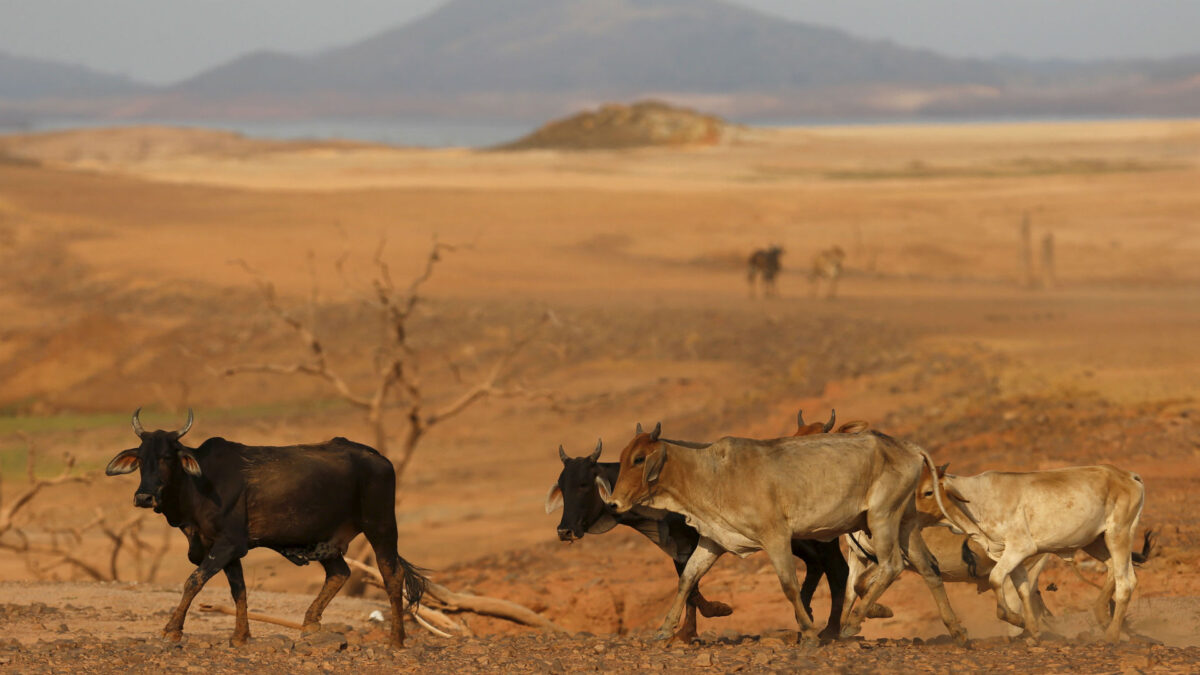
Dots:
pixel 458 133
pixel 400 132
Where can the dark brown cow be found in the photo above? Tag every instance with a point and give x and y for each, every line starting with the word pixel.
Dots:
pixel 305 501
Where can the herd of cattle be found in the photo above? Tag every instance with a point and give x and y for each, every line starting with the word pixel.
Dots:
pixel 797 496
pixel 790 497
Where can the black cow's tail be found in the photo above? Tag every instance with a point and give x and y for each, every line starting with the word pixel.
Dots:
pixel 1147 548
pixel 415 584
pixel 968 557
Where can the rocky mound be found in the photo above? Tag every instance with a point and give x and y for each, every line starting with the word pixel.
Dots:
pixel 612 126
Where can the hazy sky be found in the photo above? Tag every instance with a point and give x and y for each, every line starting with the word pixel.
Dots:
pixel 166 40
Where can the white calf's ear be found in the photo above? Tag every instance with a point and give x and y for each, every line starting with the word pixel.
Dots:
pixel 126 461
pixel 554 500
pixel 605 489
pixel 190 465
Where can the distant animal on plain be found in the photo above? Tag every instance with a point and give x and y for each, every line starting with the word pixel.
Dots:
pixel 304 501
pixel 764 267
pixel 826 266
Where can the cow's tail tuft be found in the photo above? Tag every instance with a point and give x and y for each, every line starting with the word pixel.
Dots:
pixel 968 557
pixel 415 584
pixel 1148 541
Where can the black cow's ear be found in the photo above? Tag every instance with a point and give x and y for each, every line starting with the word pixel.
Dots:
pixel 126 461
pixel 554 499
pixel 654 465
pixel 190 465
pixel 604 489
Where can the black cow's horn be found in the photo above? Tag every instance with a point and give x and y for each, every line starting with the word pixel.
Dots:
pixel 184 430
pixel 596 453
pixel 832 420
pixel 562 454
pixel 639 429
pixel 657 430
pixel 800 417
pixel 137 424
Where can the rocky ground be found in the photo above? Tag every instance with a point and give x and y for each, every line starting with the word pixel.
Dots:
pixel 353 651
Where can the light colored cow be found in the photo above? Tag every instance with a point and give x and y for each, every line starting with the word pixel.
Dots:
pixel 746 495
pixel 827 265
pixel 1015 516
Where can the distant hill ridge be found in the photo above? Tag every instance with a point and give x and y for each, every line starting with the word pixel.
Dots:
pixel 532 59
pixel 24 78
pixel 608 47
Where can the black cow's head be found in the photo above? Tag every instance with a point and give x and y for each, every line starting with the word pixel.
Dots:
pixel 578 494
pixel 161 458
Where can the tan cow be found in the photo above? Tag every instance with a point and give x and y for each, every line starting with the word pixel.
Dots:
pixel 745 495
pixel 1015 516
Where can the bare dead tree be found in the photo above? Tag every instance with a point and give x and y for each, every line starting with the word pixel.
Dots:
pixel 397 384
pixel 59 547
pixel 396 363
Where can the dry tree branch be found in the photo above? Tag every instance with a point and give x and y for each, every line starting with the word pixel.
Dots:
pixel 452 601
pixel 9 511
pixel 396 360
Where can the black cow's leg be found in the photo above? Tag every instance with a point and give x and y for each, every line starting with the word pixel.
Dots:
pixel 336 573
pixel 237 588
pixel 222 554
pixel 836 574
pixel 389 567
pixel 813 571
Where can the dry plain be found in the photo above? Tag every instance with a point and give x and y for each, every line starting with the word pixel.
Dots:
pixel 129 265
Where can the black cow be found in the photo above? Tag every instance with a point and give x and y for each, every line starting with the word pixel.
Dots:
pixel 764 264
pixel 584 512
pixel 305 501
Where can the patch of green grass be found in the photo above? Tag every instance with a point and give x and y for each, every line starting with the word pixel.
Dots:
pixel 11 424
pixel 13 453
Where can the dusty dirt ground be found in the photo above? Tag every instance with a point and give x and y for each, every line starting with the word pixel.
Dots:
pixel 123 259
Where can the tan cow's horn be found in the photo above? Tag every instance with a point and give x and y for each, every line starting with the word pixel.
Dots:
pixel 832 420
pixel 562 454
pixel 596 453
pixel 184 430
pixel 137 424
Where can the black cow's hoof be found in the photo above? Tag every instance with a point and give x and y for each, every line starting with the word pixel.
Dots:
pixel 713 608
pixel 829 633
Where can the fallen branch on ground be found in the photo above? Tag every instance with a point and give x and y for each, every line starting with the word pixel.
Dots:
pixel 253 616
pixel 451 601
